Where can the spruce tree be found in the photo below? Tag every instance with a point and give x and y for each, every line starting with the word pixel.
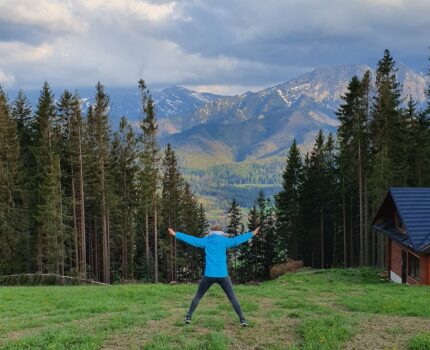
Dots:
pixel 103 136
pixel 63 136
pixel 14 229
pixel 171 206
pixel 234 226
pixel 190 255
pixel 76 145
pixel 21 113
pixel 247 270
pixel 150 177
pixel 288 206
pixel 353 135
pixel 387 143
pixel 202 227
pixel 385 127
pixel 48 192
pixel 97 203
pixel 124 174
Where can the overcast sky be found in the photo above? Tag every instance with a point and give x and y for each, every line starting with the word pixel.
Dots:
pixel 223 46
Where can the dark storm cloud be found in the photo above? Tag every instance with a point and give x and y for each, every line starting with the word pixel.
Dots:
pixel 312 32
pixel 216 43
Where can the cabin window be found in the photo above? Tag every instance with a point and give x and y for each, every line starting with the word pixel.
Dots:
pixel 414 266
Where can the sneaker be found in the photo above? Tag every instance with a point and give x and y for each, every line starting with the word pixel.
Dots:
pixel 243 323
pixel 187 319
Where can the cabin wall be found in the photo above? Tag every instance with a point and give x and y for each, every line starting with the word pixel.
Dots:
pixel 395 262
pixel 395 265
pixel 423 271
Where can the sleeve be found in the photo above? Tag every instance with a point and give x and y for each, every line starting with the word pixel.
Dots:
pixel 191 240
pixel 235 241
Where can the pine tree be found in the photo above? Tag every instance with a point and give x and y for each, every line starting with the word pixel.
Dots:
pixel 190 224
pixel 172 187
pixel 97 203
pixel 76 143
pixel 354 145
pixel 124 174
pixel 202 227
pixel 420 144
pixel 384 128
pixel 48 191
pixel 14 232
pixel 150 176
pixel 234 227
pixel 387 145
pixel 62 129
pixel 288 206
pixel 247 270
pixel 92 193
pixel 202 221
pixel 21 113
pixel 331 199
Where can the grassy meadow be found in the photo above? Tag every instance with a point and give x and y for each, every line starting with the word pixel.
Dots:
pixel 331 309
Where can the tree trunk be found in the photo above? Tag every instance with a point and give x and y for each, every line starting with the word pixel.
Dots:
pixel 83 260
pixel 366 225
pixel 344 224
pixel 175 269
pixel 155 239
pixel 39 257
pixel 124 233
pixel 108 244
pixel 147 237
pixel 62 253
pixel 75 225
pixel 96 249
pixel 105 243
pixel 322 238
pixel 360 202
pixel 351 234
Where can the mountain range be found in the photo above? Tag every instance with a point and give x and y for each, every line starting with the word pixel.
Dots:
pixel 210 129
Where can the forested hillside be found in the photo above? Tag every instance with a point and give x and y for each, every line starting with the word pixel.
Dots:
pixel 330 194
pixel 78 199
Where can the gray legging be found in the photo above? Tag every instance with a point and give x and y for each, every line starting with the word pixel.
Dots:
pixel 226 285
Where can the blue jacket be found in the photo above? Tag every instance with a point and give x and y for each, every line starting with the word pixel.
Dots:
pixel 215 247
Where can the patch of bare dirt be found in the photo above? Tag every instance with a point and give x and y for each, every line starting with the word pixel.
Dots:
pixel 18 334
pixel 386 332
pixel 137 336
pixel 263 331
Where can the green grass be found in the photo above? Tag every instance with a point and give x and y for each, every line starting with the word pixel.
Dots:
pixel 324 309
pixel 420 342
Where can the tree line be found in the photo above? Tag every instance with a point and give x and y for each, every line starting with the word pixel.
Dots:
pixel 81 200
pixel 330 195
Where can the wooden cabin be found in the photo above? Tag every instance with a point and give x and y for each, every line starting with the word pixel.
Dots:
pixel 404 218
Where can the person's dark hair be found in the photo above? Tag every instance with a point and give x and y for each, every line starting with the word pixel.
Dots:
pixel 216 227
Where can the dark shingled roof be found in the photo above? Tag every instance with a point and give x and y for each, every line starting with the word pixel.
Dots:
pixel 413 207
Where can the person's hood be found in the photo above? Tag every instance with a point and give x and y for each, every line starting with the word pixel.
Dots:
pixel 221 233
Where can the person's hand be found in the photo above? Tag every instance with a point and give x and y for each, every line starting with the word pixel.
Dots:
pixel 255 232
pixel 171 231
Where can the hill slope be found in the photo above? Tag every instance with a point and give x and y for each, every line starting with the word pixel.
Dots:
pixel 328 309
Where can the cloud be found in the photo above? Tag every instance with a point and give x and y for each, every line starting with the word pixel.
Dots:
pixel 6 78
pixel 141 10
pixel 224 45
pixel 49 15
pixel 17 52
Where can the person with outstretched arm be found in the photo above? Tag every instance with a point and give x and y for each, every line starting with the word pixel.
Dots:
pixel 215 245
